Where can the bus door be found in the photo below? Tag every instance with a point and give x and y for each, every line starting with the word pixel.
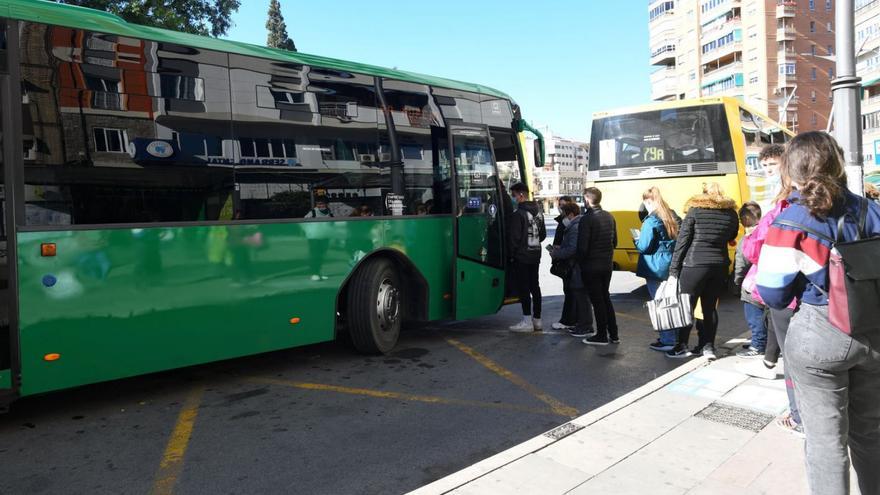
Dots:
pixel 10 144
pixel 479 229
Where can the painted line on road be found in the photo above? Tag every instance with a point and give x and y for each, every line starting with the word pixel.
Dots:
pixel 381 394
pixel 172 460
pixel 557 406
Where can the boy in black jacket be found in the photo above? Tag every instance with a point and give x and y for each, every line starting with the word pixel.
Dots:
pixel 526 232
pixel 597 238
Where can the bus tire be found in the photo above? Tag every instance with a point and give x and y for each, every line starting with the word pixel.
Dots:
pixel 373 309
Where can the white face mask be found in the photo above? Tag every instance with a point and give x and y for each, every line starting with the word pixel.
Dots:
pixel 649 206
pixel 566 222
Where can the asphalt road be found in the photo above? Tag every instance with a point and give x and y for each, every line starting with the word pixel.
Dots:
pixel 323 419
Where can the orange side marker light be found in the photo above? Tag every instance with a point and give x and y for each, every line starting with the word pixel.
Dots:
pixel 48 249
pixel 447 296
pixel 52 356
pixel 294 321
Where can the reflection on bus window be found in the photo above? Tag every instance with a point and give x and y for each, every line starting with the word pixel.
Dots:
pixel 672 136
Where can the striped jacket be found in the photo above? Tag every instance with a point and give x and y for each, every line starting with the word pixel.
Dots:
pixel 794 264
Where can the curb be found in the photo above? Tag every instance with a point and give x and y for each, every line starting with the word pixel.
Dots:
pixel 497 461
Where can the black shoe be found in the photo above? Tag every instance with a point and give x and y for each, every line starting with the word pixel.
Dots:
pixel 680 351
pixel 596 340
pixel 614 340
pixel 660 346
pixel 580 333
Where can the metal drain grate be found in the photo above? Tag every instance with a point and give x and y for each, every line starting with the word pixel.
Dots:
pixel 563 431
pixel 735 416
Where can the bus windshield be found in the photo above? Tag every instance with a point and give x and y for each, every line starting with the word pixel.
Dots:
pixel 696 134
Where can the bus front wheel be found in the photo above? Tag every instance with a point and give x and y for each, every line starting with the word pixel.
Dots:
pixel 374 310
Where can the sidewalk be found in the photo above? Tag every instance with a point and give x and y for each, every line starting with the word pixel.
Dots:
pixel 703 428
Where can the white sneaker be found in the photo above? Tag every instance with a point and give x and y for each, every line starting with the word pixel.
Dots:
pixel 524 325
pixel 561 326
pixel 536 323
pixel 757 369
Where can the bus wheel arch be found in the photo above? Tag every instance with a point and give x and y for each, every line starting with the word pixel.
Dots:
pixel 382 292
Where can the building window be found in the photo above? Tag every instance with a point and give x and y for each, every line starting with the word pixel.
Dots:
pixel 813 96
pixel 827 5
pixel 813 50
pixel 813 74
pixel 813 119
pixel 831 73
pixel 812 5
pixel 110 140
pixel 182 87
pixel 787 69
pixel 829 27
pixel 812 26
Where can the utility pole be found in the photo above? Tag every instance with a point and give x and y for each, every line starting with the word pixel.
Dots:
pixel 845 89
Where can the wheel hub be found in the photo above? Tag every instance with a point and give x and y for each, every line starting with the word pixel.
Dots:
pixel 388 304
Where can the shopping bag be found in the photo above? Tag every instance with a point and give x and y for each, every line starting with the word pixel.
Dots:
pixel 670 308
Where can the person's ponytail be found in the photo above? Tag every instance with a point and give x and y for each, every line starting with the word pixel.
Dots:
pixel 819 194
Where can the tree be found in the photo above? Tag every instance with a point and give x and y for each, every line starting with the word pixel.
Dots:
pixel 278 29
pixel 204 17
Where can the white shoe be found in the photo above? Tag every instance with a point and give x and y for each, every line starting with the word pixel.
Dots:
pixel 536 323
pixel 524 325
pixel 561 326
pixel 757 369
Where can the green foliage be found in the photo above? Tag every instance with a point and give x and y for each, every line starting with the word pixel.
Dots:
pixel 204 17
pixel 278 37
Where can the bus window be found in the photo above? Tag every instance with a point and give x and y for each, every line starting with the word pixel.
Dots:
pixel 421 135
pixel 110 145
pixel 672 136
pixel 506 156
pixel 459 106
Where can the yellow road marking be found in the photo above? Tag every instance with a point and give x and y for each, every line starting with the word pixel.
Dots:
pixel 172 460
pixel 631 317
pixel 557 406
pixel 380 394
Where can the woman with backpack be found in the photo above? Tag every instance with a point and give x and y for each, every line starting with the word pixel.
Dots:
pixel 836 374
pixel 701 261
pixel 655 243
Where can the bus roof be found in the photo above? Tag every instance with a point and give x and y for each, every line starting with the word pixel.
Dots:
pixel 104 22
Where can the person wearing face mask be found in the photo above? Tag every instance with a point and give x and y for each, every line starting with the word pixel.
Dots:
pixel 770 159
pixel 656 243
pixel 565 253
pixel 566 321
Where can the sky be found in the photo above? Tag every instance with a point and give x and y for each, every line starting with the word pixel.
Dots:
pixel 560 60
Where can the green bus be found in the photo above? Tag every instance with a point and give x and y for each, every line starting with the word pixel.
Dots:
pixel 171 200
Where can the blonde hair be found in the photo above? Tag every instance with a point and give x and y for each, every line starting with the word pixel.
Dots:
pixel 664 212
pixel 713 189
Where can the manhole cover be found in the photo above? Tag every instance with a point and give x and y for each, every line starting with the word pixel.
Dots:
pixel 563 431
pixel 735 416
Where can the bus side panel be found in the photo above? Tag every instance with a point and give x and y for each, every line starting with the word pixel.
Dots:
pixel 123 302
pixel 622 198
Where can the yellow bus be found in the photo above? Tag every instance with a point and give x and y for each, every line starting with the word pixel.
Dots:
pixel 677 146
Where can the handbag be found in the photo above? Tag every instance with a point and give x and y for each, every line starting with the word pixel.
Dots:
pixel 853 276
pixel 670 308
pixel 561 268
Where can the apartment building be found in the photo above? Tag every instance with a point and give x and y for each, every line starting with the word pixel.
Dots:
pixel 776 55
pixel 867 41
pixel 564 172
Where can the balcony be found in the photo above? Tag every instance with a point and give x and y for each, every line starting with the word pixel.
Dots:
pixel 664 84
pixel 786 9
pixel 787 81
pixel 664 55
pixel 723 71
pixel 786 33
pixel 723 52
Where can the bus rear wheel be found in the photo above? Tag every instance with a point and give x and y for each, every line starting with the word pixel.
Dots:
pixel 373 309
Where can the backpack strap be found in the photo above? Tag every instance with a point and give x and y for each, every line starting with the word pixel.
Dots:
pixel 860 221
pixel 806 229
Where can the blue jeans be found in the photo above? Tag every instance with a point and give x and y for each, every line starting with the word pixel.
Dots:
pixel 837 381
pixel 667 337
pixel 755 320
